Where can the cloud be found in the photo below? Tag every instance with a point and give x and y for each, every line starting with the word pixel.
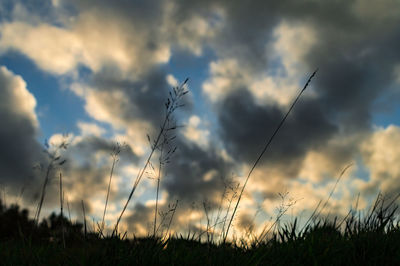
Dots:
pixel 134 108
pixel 195 174
pixel 60 50
pixel 131 37
pixel 226 76
pixel 381 156
pixel 245 128
pixel 53 49
pixel 20 150
pixel 141 220
pixel 91 129
pixel 196 133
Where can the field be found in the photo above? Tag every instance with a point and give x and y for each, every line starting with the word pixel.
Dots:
pixel 373 239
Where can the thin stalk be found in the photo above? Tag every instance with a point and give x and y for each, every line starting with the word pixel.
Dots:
pixel 108 192
pixel 172 217
pixel 164 217
pixel 208 221
pixel 316 213
pixel 155 211
pixel 69 212
pixel 84 218
pixel 4 197
pixel 171 105
pixel 54 158
pixel 61 207
pixel 219 212
pixel 274 225
pixel 334 187
pixel 46 180
pixel 265 149
pixel 140 175
pixel 158 189
pixel 228 210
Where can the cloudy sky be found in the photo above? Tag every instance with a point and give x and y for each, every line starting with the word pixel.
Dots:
pixel 100 71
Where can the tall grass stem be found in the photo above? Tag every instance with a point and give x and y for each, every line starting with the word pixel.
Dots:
pixel 264 150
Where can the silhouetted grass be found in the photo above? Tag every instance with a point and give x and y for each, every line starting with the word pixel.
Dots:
pixel 373 239
pixel 173 103
pixel 266 146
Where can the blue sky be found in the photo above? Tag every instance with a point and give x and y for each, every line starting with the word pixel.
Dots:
pixel 58 109
pixel 101 73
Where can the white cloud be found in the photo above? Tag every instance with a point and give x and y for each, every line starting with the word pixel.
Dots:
pixel 226 75
pixel 90 129
pixel 290 44
pixel 196 133
pixel 89 40
pixel 210 175
pixel 20 100
pixel 382 156
pixel 99 103
pixel 53 49
pixel 326 162
pixel 56 3
pixel 172 81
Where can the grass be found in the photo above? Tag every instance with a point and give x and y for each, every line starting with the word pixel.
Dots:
pixel 54 160
pixel 373 239
pixel 173 103
pixel 370 238
pixel 264 150
pixel 114 155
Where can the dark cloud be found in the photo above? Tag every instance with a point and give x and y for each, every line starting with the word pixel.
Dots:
pixel 89 146
pixel 142 216
pixel 142 13
pixel 245 127
pixel 186 174
pixel 246 223
pixel 20 150
pixel 145 97
pixel 36 11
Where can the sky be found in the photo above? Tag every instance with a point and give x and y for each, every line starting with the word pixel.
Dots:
pixel 98 73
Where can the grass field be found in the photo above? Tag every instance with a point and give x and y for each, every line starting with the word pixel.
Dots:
pixel 373 239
